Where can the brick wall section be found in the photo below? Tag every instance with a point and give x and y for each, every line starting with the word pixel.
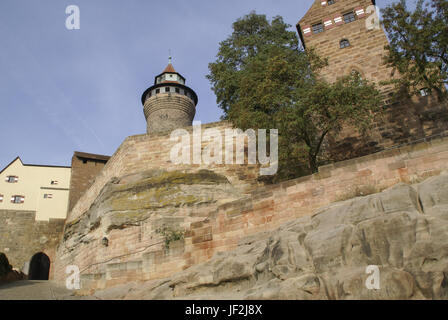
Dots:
pixel 398 124
pixel 134 254
pixel 21 236
pixel 84 171
pixel 168 111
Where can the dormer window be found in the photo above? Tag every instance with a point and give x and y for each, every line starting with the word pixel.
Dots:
pixel 12 179
pixel 349 17
pixel 318 28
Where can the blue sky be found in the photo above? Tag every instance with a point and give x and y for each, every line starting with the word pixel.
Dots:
pixel 65 90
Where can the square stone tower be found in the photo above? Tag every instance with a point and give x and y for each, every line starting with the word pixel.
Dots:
pixel 348 33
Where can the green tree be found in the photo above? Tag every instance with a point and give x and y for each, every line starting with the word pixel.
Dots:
pixel 418 46
pixel 262 79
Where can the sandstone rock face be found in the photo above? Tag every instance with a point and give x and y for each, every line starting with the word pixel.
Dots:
pixel 402 230
pixel 141 218
pixel 128 201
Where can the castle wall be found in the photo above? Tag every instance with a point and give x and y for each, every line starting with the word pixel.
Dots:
pixel 144 152
pixel 400 123
pixel 135 255
pixel 21 236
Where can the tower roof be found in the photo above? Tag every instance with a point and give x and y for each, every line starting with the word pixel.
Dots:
pixel 170 77
pixel 169 68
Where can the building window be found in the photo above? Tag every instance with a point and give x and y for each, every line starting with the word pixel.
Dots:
pixel 48 196
pixel 349 17
pixel 344 43
pixel 54 182
pixel 1 198
pixel 318 28
pixel 167 89
pixel 12 179
pixel 330 2
pixel 157 91
pixel 17 199
pixel 425 92
pixel 177 90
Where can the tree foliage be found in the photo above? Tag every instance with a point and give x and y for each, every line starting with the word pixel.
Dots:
pixel 418 46
pixel 262 79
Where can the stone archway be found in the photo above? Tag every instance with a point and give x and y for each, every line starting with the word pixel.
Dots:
pixel 39 267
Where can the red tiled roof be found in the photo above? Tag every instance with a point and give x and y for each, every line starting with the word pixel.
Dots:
pixel 169 68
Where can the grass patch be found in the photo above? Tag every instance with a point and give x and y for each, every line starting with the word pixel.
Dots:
pixel 170 235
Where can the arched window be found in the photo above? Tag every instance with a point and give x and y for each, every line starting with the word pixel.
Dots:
pixel 344 43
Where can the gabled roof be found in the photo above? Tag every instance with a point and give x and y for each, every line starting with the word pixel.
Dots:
pixel 11 163
pixel 31 165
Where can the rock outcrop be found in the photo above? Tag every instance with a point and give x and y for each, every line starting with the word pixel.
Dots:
pixel 5 267
pixel 151 195
pixel 7 273
pixel 402 230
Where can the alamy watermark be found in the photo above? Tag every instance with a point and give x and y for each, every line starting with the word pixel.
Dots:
pixel 373 20
pixel 73 21
pixel 72 282
pixel 220 148
pixel 373 280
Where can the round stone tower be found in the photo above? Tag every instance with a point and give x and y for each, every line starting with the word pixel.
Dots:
pixel 169 104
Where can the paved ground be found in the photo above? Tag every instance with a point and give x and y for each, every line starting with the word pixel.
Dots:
pixel 36 290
